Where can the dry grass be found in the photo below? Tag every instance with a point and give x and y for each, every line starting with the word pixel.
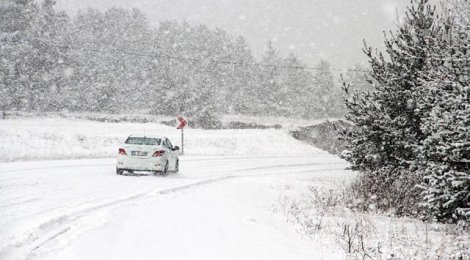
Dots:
pixel 322 215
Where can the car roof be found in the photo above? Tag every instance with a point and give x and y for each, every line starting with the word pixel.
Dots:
pixel 148 136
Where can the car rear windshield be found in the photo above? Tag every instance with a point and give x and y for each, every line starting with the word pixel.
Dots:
pixel 143 141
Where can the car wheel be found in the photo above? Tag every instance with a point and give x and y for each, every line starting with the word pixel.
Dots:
pixel 119 171
pixel 165 170
pixel 177 166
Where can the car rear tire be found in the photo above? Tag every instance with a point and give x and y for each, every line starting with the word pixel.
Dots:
pixel 177 166
pixel 165 170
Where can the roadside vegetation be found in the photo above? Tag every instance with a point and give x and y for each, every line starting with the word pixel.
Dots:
pixel 324 136
pixel 408 138
pixel 411 139
pixel 324 214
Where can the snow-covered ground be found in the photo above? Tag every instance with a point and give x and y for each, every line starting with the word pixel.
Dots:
pixel 240 194
pixel 215 208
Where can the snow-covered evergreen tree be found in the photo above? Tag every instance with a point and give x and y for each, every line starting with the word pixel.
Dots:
pixel 269 84
pixel 48 31
pixel 298 91
pixel 240 94
pixel 445 153
pixel 105 78
pixel 357 80
pixel 16 19
pixel 388 123
pixel 328 95
pixel 30 72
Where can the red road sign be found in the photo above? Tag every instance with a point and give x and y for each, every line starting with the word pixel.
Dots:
pixel 182 123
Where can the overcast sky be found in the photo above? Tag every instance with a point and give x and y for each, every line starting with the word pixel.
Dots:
pixel 312 29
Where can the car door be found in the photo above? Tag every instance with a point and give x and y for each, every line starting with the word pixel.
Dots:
pixel 173 154
pixel 169 150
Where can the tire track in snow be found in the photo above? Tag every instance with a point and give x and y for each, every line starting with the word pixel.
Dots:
pixel 55 227
pixel 193 159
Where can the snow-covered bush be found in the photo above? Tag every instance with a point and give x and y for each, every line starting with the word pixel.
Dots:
pixel 206 120
pixel 387 190
pixel 323 136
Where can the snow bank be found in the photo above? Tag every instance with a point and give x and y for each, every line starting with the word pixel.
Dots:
pixel 285 122
pixel 61 138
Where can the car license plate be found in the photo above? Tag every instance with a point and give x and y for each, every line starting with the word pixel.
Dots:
pixel 138 153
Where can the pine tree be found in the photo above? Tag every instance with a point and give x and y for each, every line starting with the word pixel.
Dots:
pixel 48 30
pixel 193 76
pixel 16 19
pixel 445 153
pixel 357 80
pixel 388 125
pixel 29 69
pixel 105 79
pixel 329 97
pixel 297 89
pixel 269 85
pixel 240 94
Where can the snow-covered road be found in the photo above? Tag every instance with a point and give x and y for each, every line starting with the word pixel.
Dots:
pixel 216 208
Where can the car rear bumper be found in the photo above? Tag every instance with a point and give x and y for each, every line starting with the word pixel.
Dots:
pixel 138 164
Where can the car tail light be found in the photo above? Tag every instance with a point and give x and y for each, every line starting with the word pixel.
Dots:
pixel 122 151
pixel 158 153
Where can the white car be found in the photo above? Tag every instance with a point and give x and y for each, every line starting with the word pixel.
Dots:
pixel 147 153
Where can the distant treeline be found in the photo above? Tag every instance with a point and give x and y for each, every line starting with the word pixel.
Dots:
pixel 114 61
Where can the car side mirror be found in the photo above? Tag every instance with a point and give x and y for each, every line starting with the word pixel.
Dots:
pixel 176 148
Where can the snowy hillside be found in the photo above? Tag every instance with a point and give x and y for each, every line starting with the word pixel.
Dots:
pixel 58 138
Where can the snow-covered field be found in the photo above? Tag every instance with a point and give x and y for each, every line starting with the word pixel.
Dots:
pixel 241 194
pixel 59 138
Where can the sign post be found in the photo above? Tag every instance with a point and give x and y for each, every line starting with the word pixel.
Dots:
pixel 181 126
